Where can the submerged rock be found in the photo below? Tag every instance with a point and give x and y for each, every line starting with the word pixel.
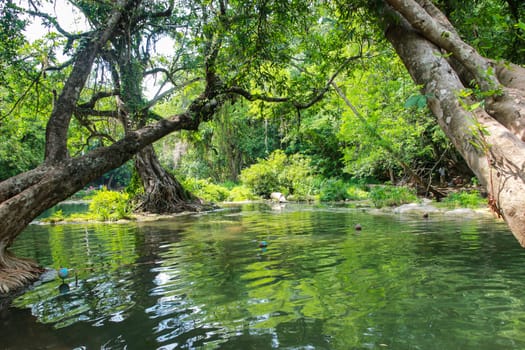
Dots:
pixel 48 275
pixel 415 208
pixel 463 212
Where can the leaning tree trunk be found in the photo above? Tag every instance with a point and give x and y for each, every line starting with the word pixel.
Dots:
pixel 162 192
pixel 489 138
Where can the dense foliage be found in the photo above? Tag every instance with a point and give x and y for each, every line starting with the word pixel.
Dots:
pixel 268 143
pixel 109 205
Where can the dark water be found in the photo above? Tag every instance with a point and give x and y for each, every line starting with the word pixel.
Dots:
pixel 202 282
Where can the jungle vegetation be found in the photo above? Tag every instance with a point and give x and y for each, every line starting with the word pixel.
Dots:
pixel 300 97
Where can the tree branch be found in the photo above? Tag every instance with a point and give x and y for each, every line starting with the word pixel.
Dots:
pixel 54 22
pixel 86 111
pixel 96 97
pixel 168 92
pixel 440 35
pixel 298 105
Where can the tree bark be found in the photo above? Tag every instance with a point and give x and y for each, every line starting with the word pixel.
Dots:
pixel 490 139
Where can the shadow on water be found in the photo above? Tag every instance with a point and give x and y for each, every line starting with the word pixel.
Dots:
pixel 207 281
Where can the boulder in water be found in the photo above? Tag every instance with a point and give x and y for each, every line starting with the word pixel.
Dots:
pixel 278 197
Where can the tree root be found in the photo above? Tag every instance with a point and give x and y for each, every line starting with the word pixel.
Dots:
pixel 17 273
pixel 163 206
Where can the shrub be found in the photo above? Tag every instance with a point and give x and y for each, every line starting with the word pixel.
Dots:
pixel 388 196
pixel 333 190
pixel 55 217
pixel 206 190
pixel 109 205
pixel 263 177
pixel 229 185
pixel 338 190
pixel 465 199
pixel 296 176
pixel 357 193
pixel 241 193
pixel 280 173
pixel 135 187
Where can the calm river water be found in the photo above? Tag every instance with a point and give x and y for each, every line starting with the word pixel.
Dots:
pixel 203 282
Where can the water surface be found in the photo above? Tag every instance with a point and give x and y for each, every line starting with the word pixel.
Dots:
pixel 203 282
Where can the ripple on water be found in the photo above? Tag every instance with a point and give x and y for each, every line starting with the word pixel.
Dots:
pixel 203 282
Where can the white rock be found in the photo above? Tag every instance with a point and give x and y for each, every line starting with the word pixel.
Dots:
pixel 278 197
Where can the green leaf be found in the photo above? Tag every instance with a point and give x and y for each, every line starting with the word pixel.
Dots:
pixel 475 106
pixel 418 101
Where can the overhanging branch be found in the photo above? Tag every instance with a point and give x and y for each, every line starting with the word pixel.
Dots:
pixel 298 105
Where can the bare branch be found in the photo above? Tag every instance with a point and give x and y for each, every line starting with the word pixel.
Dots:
pixel 86 111
pixel 62 66
pixel 168 92
pixel 57 26
pixel 255 97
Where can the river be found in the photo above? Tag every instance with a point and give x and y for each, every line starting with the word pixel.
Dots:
pixel 260 277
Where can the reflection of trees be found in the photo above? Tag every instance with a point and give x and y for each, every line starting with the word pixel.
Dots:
pixel 301 280
pixel 96 253
pixel 204 281
pixel 319 279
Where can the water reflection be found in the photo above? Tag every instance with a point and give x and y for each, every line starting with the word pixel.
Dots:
pixel 204 281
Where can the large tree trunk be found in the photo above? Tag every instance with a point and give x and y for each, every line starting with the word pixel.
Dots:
pixel 489 139
pixel 162 192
